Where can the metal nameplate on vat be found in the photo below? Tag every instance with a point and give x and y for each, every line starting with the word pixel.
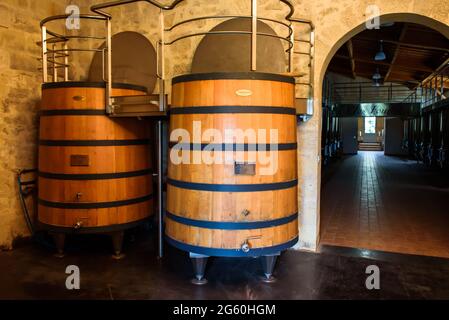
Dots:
pixel 247 169
pixel 244 93
pixel 77 160
pixel 79 98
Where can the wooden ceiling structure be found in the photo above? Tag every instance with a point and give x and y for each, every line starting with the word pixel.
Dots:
pixel 413 53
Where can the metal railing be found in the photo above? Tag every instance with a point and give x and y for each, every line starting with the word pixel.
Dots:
pixel 99 9
pixel 310 53
pixel 57 48
pixel 288 39
pixel 433 89
pixel 365 92
pixel 254 33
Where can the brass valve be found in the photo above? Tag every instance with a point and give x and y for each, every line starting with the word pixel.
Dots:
pixel 246 247
pixel 78 225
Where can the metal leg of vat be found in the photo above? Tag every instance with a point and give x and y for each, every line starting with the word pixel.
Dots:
pixel 199 267
pixel 59 239
pixel 268 263
pixel 117 244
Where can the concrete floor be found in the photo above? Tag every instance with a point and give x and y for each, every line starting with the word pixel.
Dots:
pixel 32 272
pixel 385 203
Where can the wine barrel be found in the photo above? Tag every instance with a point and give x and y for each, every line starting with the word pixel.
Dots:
pixel 236 207
pixel 95 172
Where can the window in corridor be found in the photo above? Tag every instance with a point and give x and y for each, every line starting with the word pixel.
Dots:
pixel 370 125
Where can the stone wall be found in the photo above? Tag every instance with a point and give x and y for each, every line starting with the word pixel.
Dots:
pixel 19 97
pixel 336 21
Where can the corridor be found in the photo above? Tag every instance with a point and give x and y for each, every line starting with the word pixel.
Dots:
pixel 371 201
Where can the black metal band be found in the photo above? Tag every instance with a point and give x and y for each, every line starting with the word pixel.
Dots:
pixel 232 187
pixel 225 225
pixel 233 252
pixel 72 112
pixel 93 143
pixel 95 176
pixel 234 147
pixel 232 109
pixel 87 230
pixel 86 84
pixel 233 76
pixel 94 205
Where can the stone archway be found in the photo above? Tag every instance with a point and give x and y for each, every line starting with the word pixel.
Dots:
pixel 336 25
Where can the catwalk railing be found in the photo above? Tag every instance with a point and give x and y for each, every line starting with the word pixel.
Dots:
pixel 433 89
pixel 366 92
pixel 288 39
pixel 57 47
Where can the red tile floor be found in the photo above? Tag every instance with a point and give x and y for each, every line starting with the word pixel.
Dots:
pixel 372 201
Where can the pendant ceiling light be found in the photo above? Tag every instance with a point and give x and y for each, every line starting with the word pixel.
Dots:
pixel 377 75
pixel 378 83
pixel 380 56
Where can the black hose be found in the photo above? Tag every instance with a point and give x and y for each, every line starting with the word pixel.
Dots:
pixel 26 188
pixel 29 187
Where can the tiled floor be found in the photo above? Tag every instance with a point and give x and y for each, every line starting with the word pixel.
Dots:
pixel 32 272
pixel 384 203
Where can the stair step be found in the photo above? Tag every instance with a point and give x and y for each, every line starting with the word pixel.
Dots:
pixel 370 146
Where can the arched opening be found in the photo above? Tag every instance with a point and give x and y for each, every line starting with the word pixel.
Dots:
pixel 383 90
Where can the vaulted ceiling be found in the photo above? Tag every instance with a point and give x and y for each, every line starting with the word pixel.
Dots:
pixel 413 53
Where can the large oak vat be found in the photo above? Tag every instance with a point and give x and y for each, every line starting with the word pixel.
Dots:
pixel 233 208
pixel 95 172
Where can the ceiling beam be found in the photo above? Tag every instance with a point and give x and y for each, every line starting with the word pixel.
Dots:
pixel 405 44
pixel 343 71
pixel 397 78
pixel 396 51
pixel 351 57
pixel 368 74
pixel 383 63
pixel 407 82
